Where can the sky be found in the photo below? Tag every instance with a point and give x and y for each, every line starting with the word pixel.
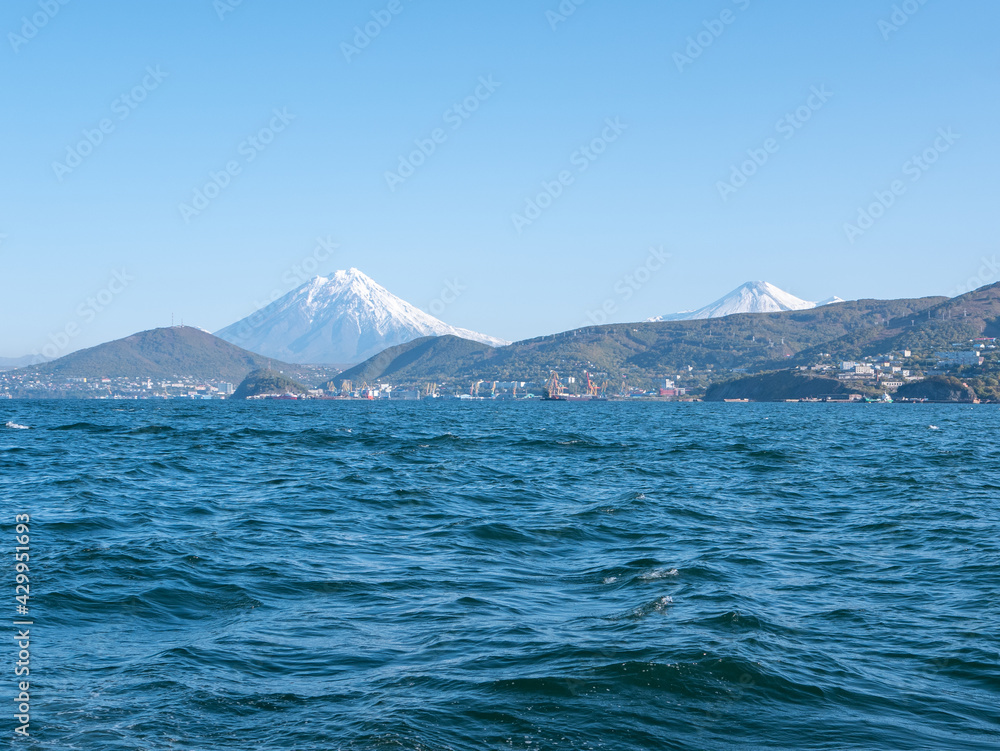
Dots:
pixel 518 168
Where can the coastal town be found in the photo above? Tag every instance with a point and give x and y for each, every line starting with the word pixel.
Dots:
pixel 882 374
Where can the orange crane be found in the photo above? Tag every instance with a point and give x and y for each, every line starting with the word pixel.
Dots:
pixel 554 388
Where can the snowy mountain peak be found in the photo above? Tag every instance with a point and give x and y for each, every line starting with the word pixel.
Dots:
pixel 751 297
pixel 344 318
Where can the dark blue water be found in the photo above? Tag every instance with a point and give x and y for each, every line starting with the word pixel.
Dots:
pixel 506 576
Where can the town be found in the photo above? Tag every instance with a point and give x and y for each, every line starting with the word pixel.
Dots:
pixel 884 374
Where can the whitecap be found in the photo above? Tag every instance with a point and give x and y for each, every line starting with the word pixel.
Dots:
pixel 15 426
pixel 610 579
pixel 659 573
pixel 658 605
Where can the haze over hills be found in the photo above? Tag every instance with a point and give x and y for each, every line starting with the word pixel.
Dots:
pixel 345 318
pixel 8 363
pixel 751 297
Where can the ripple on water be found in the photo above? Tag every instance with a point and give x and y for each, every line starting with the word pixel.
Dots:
pixel 438 576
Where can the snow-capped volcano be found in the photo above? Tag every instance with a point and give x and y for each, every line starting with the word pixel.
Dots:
pixel 752 297
pixel 345 318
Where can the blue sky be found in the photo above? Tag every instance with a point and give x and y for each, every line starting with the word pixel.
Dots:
pixel 700 95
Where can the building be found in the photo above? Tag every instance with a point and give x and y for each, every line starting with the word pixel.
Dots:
pixel 960 358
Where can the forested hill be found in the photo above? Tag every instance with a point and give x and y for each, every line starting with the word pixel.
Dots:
pixel 750 341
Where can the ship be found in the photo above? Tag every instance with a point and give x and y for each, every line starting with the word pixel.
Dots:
pixel 884 399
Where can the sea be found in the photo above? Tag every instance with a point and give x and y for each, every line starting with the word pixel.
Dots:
pixel 501 575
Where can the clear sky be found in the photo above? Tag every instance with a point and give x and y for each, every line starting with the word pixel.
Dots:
pixel 744 135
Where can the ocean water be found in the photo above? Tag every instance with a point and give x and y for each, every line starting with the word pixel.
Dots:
pixel 334 575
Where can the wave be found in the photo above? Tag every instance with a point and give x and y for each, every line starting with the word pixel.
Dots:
pixel 86 427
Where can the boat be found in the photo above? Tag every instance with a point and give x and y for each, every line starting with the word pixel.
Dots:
pixel 884 399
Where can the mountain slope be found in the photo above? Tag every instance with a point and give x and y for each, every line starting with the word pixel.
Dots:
pixel 936 327
pixel 752 297
pixel 345 318
pixel 432 358
pixel 650 351
pixel 159 353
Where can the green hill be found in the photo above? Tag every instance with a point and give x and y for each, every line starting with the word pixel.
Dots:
pixel 431 358
pixel 711 348
pixel 937 389
pixel 159 353
pixel 646 351
pixel 928 330
pixel 268 382
pixel 778 387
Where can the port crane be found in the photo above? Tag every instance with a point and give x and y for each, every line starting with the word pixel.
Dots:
pixel 554 388
pixel 592 388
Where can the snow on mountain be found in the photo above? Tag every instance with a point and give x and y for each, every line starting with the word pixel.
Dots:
pixel 345 318
pixel 752 297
